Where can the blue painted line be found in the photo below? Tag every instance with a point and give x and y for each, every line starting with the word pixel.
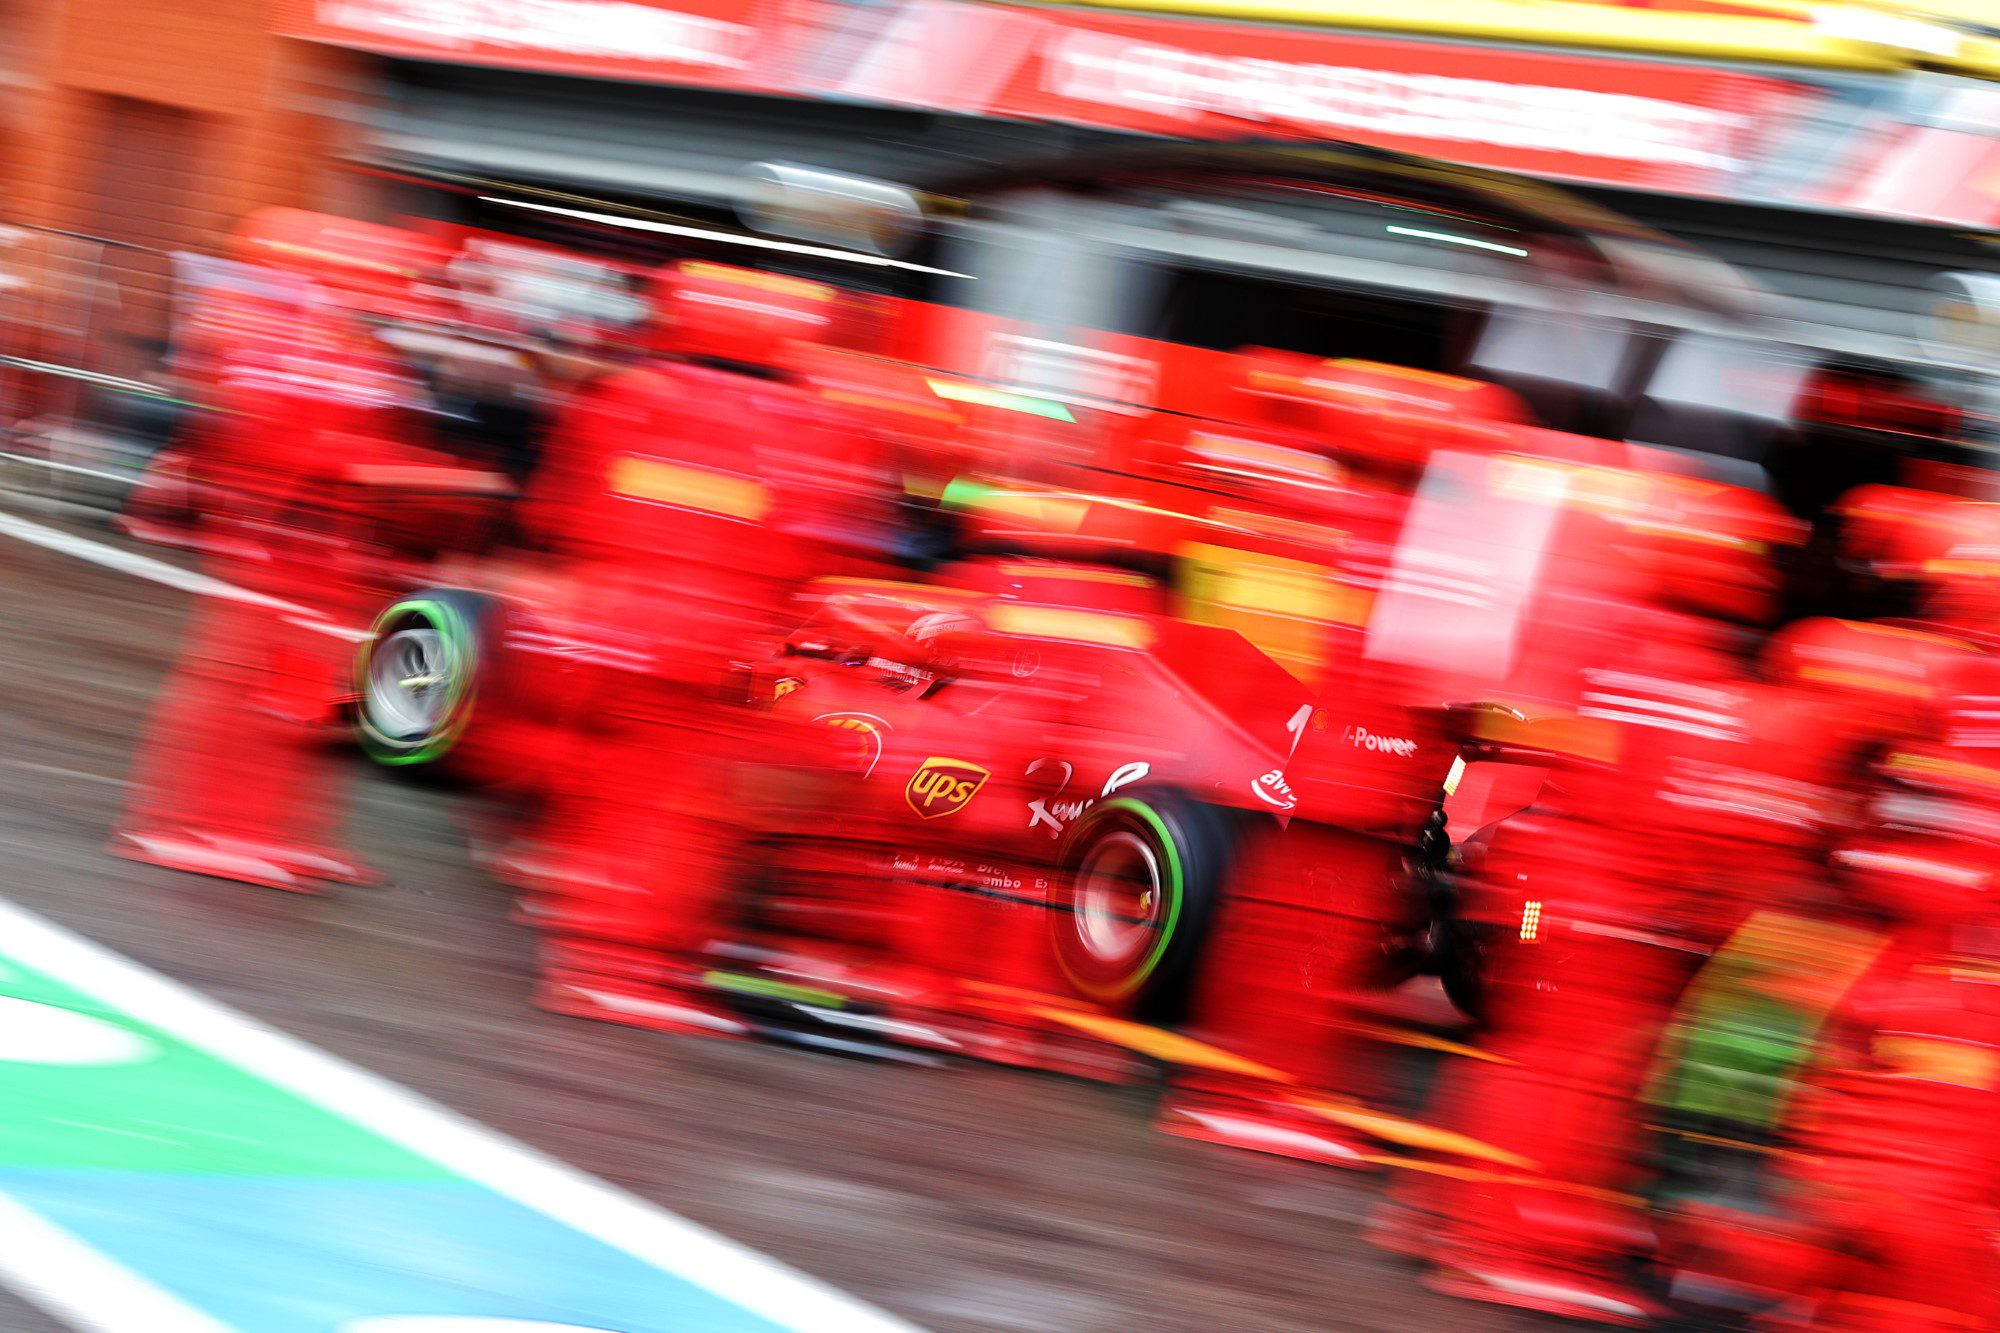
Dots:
pixel 170 1166
pixel 269 1255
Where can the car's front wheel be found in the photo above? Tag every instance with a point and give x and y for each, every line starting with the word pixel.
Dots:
pixel 419 676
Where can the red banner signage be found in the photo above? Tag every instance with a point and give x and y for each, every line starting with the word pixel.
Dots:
pixel 1647 124
pixel 705 43
pixel 1639 123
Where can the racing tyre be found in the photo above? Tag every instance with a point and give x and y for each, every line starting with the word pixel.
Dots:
pixel 1135 893
pixel 419 676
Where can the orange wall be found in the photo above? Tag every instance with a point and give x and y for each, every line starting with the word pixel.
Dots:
pixel 214 121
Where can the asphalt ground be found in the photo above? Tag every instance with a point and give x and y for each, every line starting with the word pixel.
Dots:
pixel 964 1198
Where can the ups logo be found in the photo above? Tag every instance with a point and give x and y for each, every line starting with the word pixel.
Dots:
pixel 943 786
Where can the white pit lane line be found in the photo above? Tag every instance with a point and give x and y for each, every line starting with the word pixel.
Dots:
pixel 54 1268
pixel 89 1290
pixel 160 571
pixel 86 1290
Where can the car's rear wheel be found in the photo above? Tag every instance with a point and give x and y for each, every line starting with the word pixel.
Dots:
pixel 1134 896
pixel 419 676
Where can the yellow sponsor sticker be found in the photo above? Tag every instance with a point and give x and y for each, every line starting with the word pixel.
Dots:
pixel 710 492
pixel 942 786
pixel 1078 574
pixel 1055 622
pixel 1958 1063
pixel 1434 378
pixel 802 288
pixel 1866 680
pixel 1919 766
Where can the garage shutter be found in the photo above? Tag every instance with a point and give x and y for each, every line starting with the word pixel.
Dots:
pixel 1864 278
pixel 1855 285
pixel 148 171
pixel 678 143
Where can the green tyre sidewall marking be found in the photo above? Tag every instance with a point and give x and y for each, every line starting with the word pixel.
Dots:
pixel 1174 885
pixel 463 656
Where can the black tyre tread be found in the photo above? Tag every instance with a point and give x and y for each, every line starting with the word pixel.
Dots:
pixel 1206 837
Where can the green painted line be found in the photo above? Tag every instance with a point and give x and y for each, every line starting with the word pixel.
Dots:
pixel 197 1115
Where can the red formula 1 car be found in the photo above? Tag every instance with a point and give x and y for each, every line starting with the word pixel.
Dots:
pixel 1052 760
pixel 1042 791
pixel 1031 800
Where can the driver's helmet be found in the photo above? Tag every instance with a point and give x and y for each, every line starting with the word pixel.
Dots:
pixel 739 316
pixel 859 620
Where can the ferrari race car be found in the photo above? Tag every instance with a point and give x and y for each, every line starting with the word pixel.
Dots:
pixel 1060 748
pixel 1039 793
pixel 1031 794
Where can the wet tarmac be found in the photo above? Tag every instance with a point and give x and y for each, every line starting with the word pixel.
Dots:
pixel 962 1199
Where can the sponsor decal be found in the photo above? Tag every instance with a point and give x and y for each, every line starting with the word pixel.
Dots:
pixel 1053 810
pixel 1273 791
pixel 1363 739
pixel 1126 776
pixel 1026 663
pixel 597 29
pixel 1361 101
pixel 1069 370
pixel 931 624
pixel 942 786
pixel 1056 813
pixel 868 726
pixel 1009 883
pixel 784 686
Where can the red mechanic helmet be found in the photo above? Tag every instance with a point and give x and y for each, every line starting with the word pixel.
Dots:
pixel 1946 546
pixel 1711 548
pixel 365 266
pixel 1890 678
pixel 1900 532
pixel 1371 413
pixel 723 313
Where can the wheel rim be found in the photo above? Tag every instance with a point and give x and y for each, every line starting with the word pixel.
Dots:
pixel 409 683
pixel 1120 897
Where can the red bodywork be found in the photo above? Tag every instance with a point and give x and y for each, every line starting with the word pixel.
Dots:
pixel 970 751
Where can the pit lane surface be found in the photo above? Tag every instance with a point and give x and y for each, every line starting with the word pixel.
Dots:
pixel 966 1198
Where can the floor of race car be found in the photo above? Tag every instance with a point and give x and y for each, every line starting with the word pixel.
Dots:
pixel 962 1198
